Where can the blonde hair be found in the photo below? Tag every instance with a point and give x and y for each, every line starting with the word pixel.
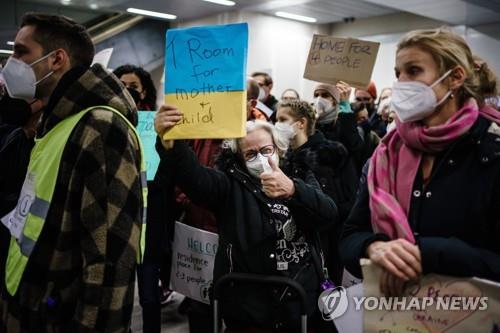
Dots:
pixel 449 50
pixel 301 109
pixel 253 125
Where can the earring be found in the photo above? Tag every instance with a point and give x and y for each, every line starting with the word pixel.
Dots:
pixel 452 96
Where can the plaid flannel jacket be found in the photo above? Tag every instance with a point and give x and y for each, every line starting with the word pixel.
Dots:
pixel 80 276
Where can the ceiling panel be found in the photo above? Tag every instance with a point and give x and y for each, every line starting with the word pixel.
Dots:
pixel 329 11
pixel 454 12
pixel 326 11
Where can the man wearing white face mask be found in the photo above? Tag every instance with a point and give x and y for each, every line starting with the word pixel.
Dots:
pixel 265 82
pixel 255 108
pixel 20 78
pixel 337 121
pixel 75 233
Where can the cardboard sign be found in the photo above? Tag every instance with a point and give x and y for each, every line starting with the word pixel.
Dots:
pixel 193 257
pixel 146 130
pixel 454 305
pixel 334 59
pixel 205 73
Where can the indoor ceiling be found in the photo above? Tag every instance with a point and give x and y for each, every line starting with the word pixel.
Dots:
pixel 325 11
pixel 453 12
pixel 457 12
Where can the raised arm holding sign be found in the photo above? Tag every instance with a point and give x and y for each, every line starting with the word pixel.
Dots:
pixel 205 77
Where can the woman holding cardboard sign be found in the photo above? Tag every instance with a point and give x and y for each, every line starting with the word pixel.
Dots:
pixel 267 222
pixel 429 200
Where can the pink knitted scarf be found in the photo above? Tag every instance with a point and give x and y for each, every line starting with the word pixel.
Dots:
pixel 395 162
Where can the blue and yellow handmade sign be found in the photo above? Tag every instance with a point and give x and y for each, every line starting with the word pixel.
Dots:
pixel 205 78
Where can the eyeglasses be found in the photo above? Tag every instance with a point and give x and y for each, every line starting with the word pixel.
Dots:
pixel 266 151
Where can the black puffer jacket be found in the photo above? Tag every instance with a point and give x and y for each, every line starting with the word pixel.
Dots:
pixel 345 131
pixel 334 170
pixel 457 215
pixel 248 235
pixel 332 166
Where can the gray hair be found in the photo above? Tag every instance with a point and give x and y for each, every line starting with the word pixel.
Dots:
pixel 279 141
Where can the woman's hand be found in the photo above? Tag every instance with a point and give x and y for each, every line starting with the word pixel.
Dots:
pixel 275 183
pixel 345 91
pixel 390 284
pixel 400 261
pixel 398 257
pixel 165 119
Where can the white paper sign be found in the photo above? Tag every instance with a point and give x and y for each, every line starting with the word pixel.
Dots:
pixel 349 280
pixel 352 320
pixel 16 219
pixel 103 57
pixel 193 256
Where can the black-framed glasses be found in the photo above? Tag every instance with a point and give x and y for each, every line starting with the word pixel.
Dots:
pixel 266 151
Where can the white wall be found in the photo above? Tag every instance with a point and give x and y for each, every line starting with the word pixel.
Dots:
pixel 386 30
pixel 277 46
pixel 481 44
pixel 280 46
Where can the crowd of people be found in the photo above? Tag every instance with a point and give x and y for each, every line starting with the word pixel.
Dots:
pixel 407 176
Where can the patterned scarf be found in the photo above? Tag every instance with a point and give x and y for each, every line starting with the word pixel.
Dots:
pixel 395 162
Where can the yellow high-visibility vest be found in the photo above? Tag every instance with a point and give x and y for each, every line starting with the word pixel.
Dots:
pixel 26 221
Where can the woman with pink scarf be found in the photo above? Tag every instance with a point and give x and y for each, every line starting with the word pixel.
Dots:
pixel 429 198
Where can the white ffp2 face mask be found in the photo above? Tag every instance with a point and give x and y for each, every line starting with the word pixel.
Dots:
pixel 286 130
pixel 20 79
pixel 322 105
pixel 414 100
pixel 261 164
pixel 262 94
